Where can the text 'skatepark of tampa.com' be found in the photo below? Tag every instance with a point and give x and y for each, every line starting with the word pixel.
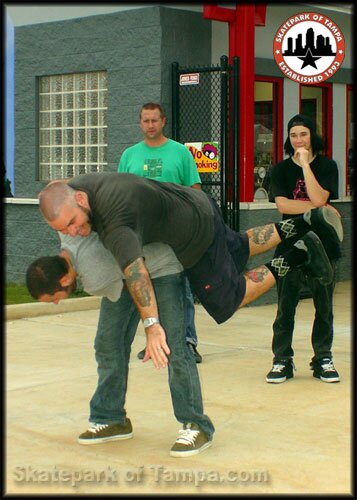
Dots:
pixel 157 473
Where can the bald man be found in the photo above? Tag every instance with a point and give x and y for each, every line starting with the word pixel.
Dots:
pixel 128 211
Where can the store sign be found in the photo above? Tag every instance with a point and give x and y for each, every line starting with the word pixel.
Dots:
pixel 309 48
pixel 205 155
pixel 190 79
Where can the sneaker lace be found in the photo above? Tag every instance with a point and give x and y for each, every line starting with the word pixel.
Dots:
pixel 94 428
pixel 187 436
pixel 277 367
pixel 328 366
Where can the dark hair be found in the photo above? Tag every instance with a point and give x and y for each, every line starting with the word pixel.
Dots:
pixel 317 142
pixel 43 275
pixel 151 106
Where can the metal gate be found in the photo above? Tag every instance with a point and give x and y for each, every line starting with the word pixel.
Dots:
pixel 205 109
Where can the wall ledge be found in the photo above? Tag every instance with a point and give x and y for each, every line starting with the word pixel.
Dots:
pixel 252 205
pixel 21 201
pixel 267 205
pixel 33 309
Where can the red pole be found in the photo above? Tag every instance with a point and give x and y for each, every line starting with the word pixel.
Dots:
pixel 241 44
pixel 242 22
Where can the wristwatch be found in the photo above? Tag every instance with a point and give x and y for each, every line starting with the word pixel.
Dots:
pixel 150 321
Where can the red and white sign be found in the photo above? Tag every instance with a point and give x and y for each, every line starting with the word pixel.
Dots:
pixel 190 79
pixel 309 48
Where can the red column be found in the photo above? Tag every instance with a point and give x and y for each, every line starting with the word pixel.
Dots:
pixel 242 22
pixel 241 44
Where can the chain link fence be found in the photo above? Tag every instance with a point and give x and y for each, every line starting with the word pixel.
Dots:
pixel 205 111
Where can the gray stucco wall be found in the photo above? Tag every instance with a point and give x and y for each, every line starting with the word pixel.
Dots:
pixel 135 47
pixel 27 237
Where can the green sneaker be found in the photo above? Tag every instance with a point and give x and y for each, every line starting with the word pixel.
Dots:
pixel 191 441
pixel 101 433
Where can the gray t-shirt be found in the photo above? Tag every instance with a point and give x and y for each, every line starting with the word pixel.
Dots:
pixel 128 212
pixel 98 270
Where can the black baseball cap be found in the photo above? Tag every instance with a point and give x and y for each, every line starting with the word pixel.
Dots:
pixel 303 120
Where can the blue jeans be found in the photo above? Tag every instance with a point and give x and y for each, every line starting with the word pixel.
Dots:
pixel 191 335
pixel 116 330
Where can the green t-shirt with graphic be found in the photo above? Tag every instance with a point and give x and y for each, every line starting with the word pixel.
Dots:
pixel 170 162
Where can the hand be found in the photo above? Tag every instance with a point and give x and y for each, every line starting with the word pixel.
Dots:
pixel 301 157
pixel 156 346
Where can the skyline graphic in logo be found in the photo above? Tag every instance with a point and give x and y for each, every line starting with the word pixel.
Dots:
pixel 309 48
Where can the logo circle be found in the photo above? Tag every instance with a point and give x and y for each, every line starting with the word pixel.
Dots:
pixel 309 48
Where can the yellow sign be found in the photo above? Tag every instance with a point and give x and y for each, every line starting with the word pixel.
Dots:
pixel 205 155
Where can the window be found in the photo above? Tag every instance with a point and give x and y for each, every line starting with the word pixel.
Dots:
pixel 267 132
pixel 72 124
pixel 316 103
pixel 351 146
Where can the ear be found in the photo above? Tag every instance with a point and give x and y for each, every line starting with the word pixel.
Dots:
pixel 66 280
pixel 164 121
pixel 82 199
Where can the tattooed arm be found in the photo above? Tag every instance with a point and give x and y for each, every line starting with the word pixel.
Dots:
pixel 140 288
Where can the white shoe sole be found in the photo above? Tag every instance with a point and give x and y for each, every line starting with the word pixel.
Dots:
pixel 190 452
pixel 334 220
pixel 104 439
pixel 329 380
pixel 331 218
pixel 276 380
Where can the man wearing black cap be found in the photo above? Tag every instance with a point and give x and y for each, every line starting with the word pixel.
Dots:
pixel 304 181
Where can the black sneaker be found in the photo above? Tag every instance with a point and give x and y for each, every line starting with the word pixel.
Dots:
pixel 317 263
pixel 197 355
pixel 326 221
pixel 281 371
pixel 141 354
pixel 324 370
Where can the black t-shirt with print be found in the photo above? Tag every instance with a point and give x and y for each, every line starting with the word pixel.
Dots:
pixel 287 179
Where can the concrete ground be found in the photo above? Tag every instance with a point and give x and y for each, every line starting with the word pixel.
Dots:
pixel 290 438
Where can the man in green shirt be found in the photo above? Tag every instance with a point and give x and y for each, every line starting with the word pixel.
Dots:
pixel 159 158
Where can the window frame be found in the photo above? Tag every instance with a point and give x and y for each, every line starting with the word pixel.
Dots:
pixel 326 113
pixel 76 120
pixel 278 106
pixel 349 88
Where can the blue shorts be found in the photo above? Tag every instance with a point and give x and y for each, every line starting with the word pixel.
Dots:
pixel 217 277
